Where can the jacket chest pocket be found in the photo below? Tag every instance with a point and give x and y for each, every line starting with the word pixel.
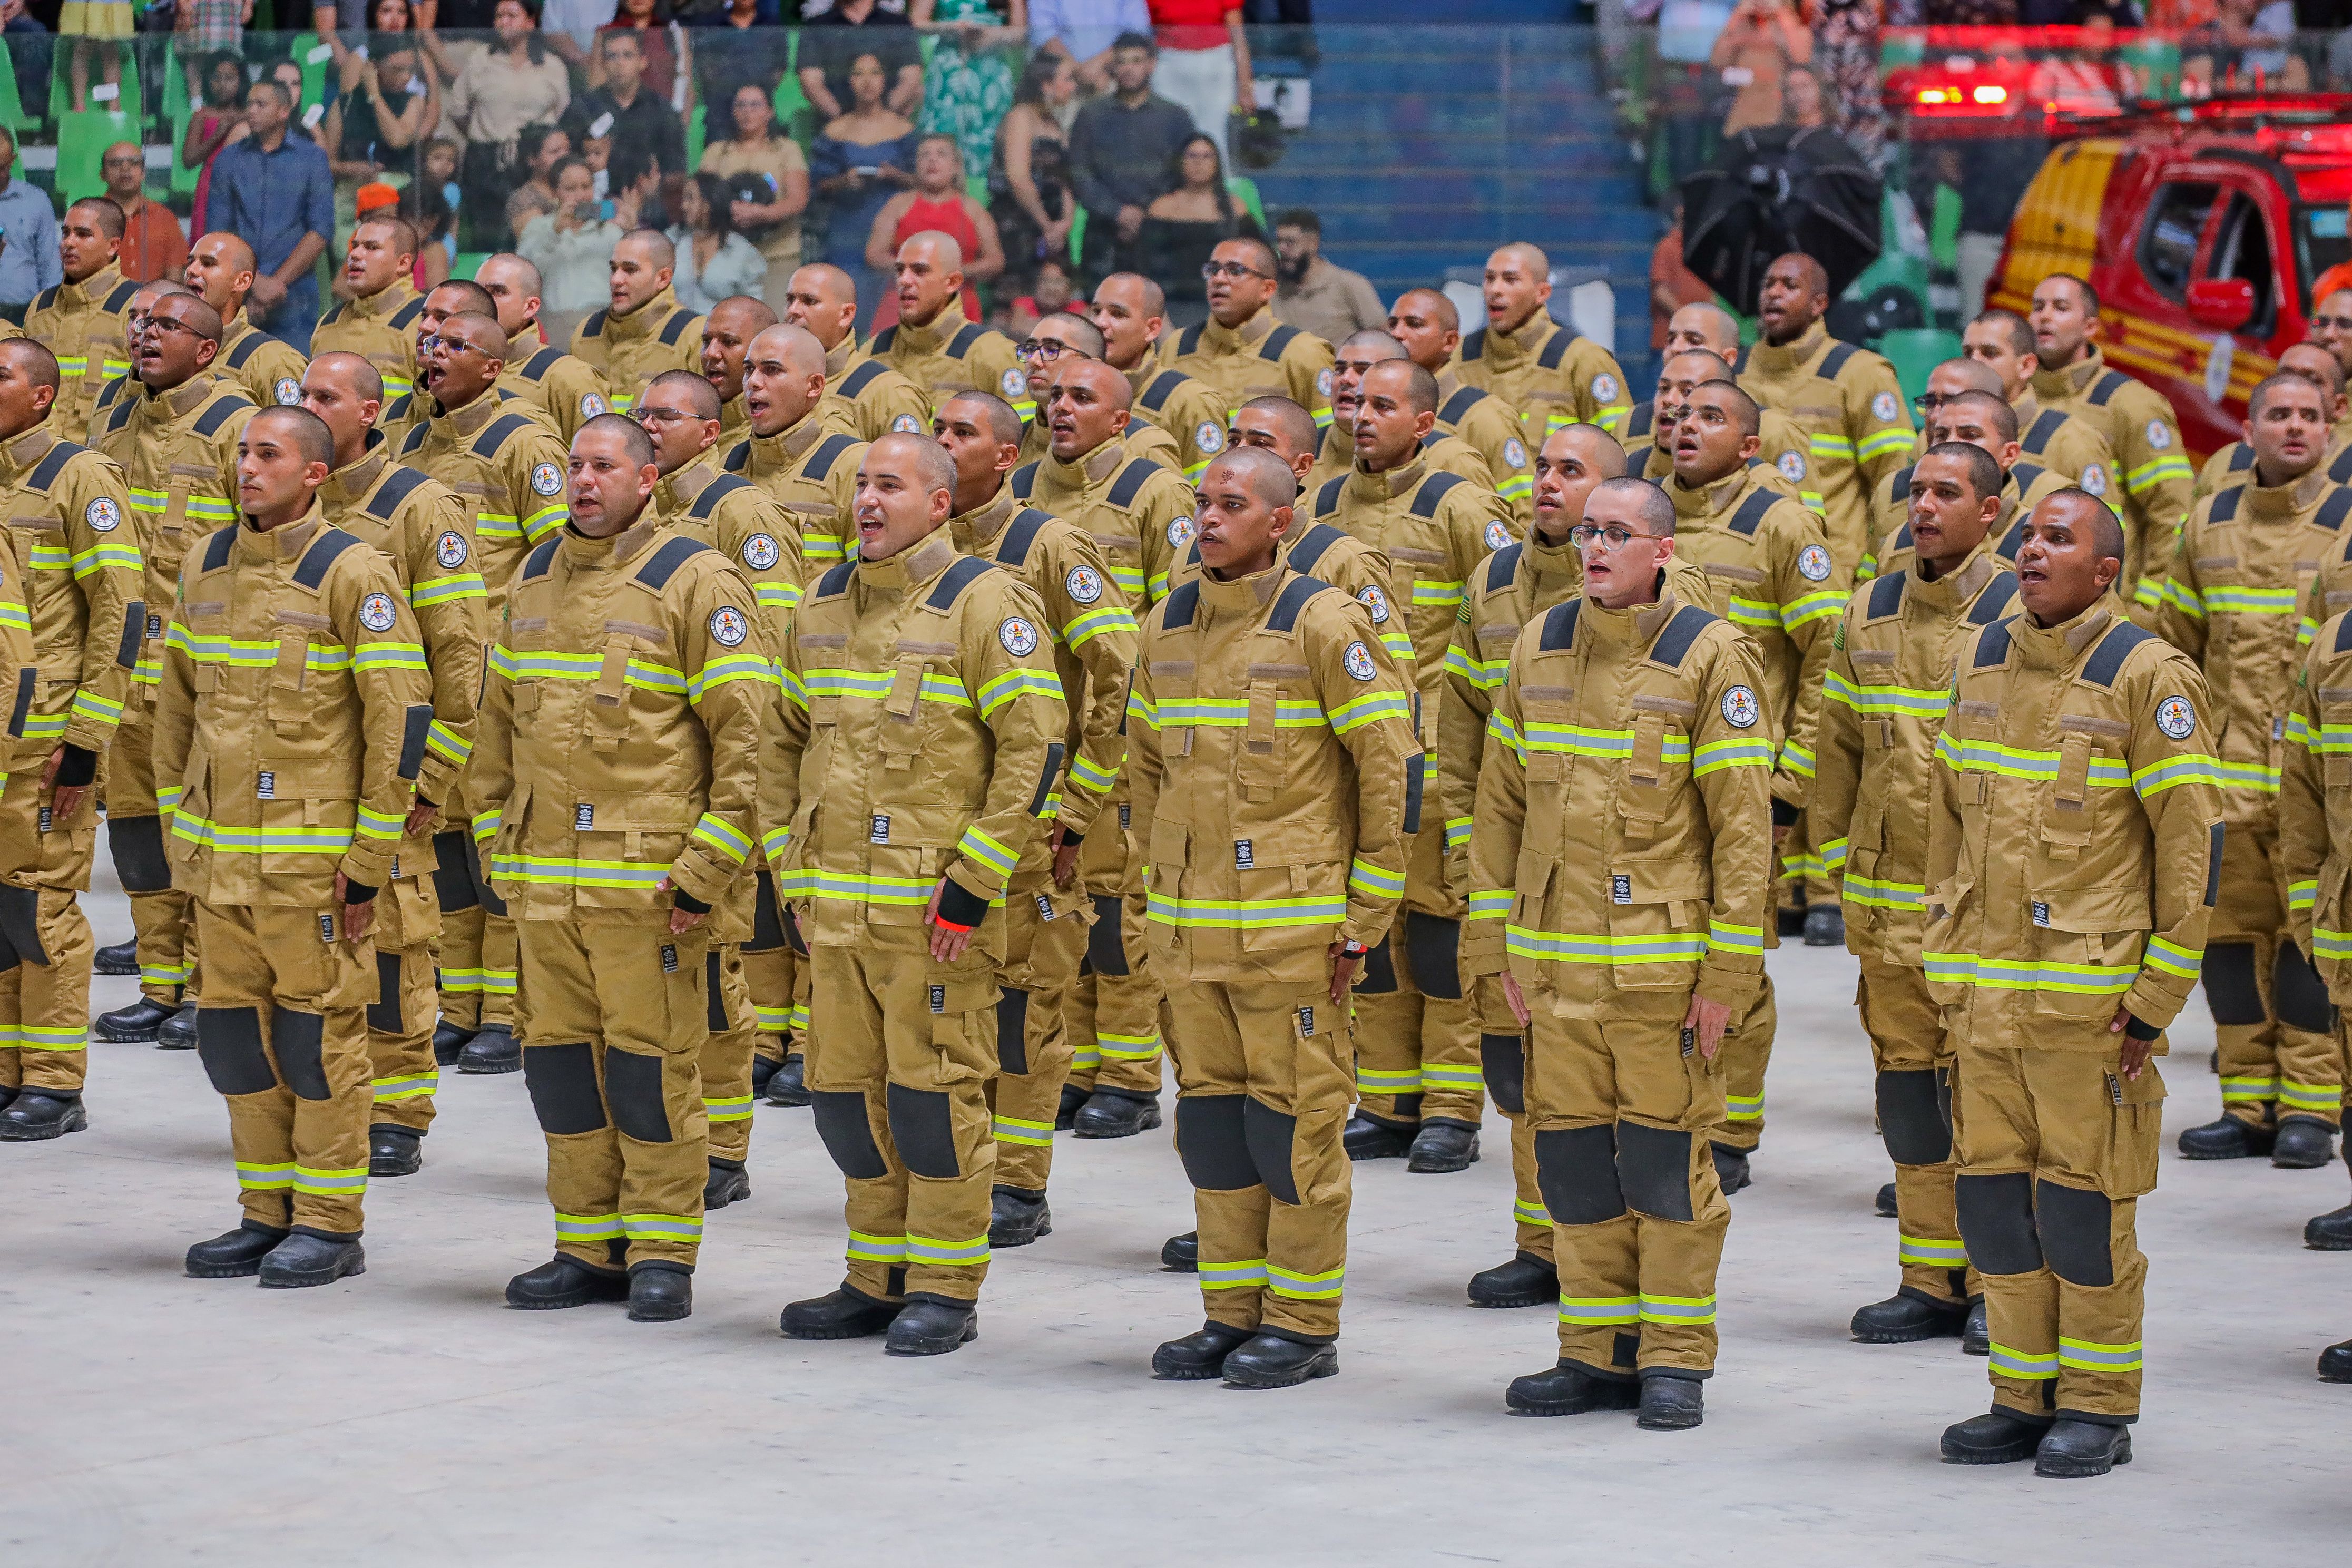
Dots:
pixel 527 697
pixel 1174 698
pixel 287 704
pixel 608 699
pixel 2068 820
pixel 1652 777
pixel 1548 773
pixel 898 728
pixel 2087 942
pixel 1258 768
pixel 1878 672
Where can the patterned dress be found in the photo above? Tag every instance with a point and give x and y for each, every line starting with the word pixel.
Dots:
pixel 965 95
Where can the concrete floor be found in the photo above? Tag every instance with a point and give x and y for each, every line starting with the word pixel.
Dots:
pixel 406 1416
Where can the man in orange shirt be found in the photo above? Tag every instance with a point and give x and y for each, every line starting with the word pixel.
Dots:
pixel 153 245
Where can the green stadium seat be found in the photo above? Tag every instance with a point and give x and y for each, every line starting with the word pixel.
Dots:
pixel 82 141
pixel 61 79
pixel 1245 188
pixel 1944 229
pixel 694 142
pixel 314 74
pixel 11 108
pixel 1915 353
pixel 468 263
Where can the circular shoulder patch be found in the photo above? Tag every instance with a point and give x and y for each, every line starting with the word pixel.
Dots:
pixel 1515 452
pixel 1359 661
pixel 2095 478
pixel 1813 563
pixel 1019 637
pixel 376 613
pixel 102 515
pixel 729 627
pixel 287 391
pixel 1739 709
pixel 546 478
pixel 2159 437
pixel 1323 383
pixel 1792 467
pixel 1884 407
pixel 1605 388
pixel 1180 532
pixel 907 425
pixel 1496 535
pixel 1015 383
pixel 761 551
pixel 450 549
pixel 1372 599
pixel 1084 585
pixel 1208 438
pixel 591 406
pixel 2176 718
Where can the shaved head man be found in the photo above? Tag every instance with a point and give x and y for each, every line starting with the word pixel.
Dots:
pixel 934 344
pixel 643 331
pixel 1129 312
pixel 790 448
pixel 379 318
pixel 568 390
pixel 863 395
pixel 82 318
pixel 1549 373
pixel 928 273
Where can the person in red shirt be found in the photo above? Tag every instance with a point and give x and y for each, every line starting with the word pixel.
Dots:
pixel 1204 64
pixel 936 204
pixel 153 245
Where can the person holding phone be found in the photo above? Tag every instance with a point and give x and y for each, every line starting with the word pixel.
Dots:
pixel 571 247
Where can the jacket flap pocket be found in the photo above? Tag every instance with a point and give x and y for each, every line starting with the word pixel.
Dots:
pixel 2089 910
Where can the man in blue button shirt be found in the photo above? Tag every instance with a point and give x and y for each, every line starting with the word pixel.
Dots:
pixel 274 191
pixel 28 238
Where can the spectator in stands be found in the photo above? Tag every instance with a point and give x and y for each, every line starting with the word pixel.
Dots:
pixel 570 29
pixel 713 260
pixel 1083 32
pixel 288 75
pixel 967 85
pixel 1121 149
pixel 861 160
pixel 1204 64
pixel 426 211
pixel 1672 284
pixel 837 34
pixel 649 22
pixel 385 21
pixel 1183 227
pixel 220 121
pixel 542 148
pixel 2244 44
pixel 1754 52
pixel 573 248
pixel 152 245
pixel 1845 52
pixel 29 261
pixel 273 190
pixel 1051 289
pixel 513 83
pixel 203 27
pixel 768 179
pixel 634 188
pixel 938 204
pixel 639 118
pixel 377 123
pixel 1806 98
pixel 1029 179
pixel 96 25
pixel 2089 80
pixel 1315 294
pixel 751 49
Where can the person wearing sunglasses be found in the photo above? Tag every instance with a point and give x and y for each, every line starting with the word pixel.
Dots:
pixel 1242 350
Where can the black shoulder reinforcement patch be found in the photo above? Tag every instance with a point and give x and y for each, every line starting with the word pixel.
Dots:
pixel 1994 602
pixel 739 461
pixel 1024 480
pixel 1284 616
pixel 966 336
pixel 883 339
pixel 1475 346
pixel 1306 550
pixel 1750 515
pixel 1643 413
pixel 2241 457
pixel 1886 596
pixel 536 367
pixel 1164 386
pixel 324 552
pixel 835 581
pixel 828 452
pixel 2225 504
pixel 1426 500
pixel 240 356
pixel 1020 534
pixel 1834 361
pixel 2106 661
pixel 1560 626
pixel 1188 342
pixel 45 472
pixel 1130 482
pixel 717 490
pixel 681 318
pixel 2045 425
pixel 541 559
pixel 1458 407
pixel 859 379
pixel 1992 646
pixel 1327 496
pixel 398 485
pixel 1898 489
pixel 2024 477
pixel 1673 644
pixel 1556 347
pixel 223 410
pixel 2332 510
pixel 1277 343
pixel 1183 605
pixel 217 550
pixel 2115 380
pixel 664 562
pixel 406 315
pixel 1503 567
pixel 496 433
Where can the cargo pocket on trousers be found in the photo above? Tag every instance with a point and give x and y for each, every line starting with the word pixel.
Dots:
pixel 1706 1079
pixel 2135 1132
pixel 963 1024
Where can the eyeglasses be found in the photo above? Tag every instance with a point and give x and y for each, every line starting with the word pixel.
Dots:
pixel 446 344
pixel 1040 349
pixel 1611 536
pixel 660 416
pixel 2333 323
pixel 167 323
pixel 1216 270
pixel 1672 413
pixel 1927 402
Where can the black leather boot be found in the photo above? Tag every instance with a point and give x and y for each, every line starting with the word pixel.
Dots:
pixel 1442 1146
pixel 394 1151
pixel 136 1022
pixel 1671 1404
pixel 2336 1363
pixel 1886 1201
pixel 1269 1360
pixel 1902 1318
pixel 1017 1217
pixel 1368 1137
pixel 1524 1280
pixel 122 958
pixel 727 1182
pixel 763 1073
pixel 2329 1232
pixel 1790 921
pixel 789 1087
pixel 1976 1338
pixel 1825 926
pixel 302 1260
pixel 932 1325
pixel 491 1050
pixel 1730 1167
pixel 1114 1113
pixel 1566 1390
pixel 1073 1100
pixel 36 1115
pixel 448 1039
pixel 2302 1144
pixel 178 1032
pixel 1181 1254
pixel 2228 1139
pixel 2000 1437
pixel 564 1282
pixel 842 1314
pixel 661 1292
pixel 2073 1450
pixel 1198 1357
pixel 233 1253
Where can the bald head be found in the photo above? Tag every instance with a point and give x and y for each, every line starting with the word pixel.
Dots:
pixel 650 245
pixel 1260 472
pixel 1108 385
pixel 352 373
pixel 30 361
pixel 1434 304
pixel 457 296
pixel 988 411
pixel 1373 345
pixel 1288 423
pixel 481 330
pixel 942 251
pixel 795 347
pixel 1529 258
pixel 298 428
pixel 685 391
pixel 1988 410
pixel 828 282
pixel 925 458
pixel 190 310
pixel 1954 376
pixel 1593 446
pixel 1151 298
pixel 1650 502
pixel 1705 326
pixel 1072 332
pixel 1407 380
pixel 1816 275
pixel 747 318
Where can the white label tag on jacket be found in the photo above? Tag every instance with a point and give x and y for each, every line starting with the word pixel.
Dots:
pixel 1122 815
pixel 939 998
pixel 1621 890
pixel 45 819
pixel 1245 857
pixel 2040 913
pixel 583 817
pixel 669 958
pixel 878 832
pixel 326 928
pixel 266 786
pixel 1307 1023
pixel 1045 908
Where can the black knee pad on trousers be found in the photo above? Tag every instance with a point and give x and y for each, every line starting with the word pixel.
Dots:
pixel 228 1042
pixel 714 1006
pixel 2229 986
pixel 2295 988
pixel 1911 1118
pixel 486 895
pixel 1996 1216
pixel 299 1039
pixel 1211 1141
pixel 20 923
pixel 767 917
pixel 848 1135
pixel 1271 1135
pixel 2077 1228
pixel 1577 1170
pixel 1503 1059
pixel 453 884
pixel 1013 1031
pixel 922 1124
pixel 563 1084
pixel 1433 945
pixel 384 1015
pixel 137 846
pixel 632 1087
pixel 1380 977
pixel 1654 1168
pixel 1106 950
